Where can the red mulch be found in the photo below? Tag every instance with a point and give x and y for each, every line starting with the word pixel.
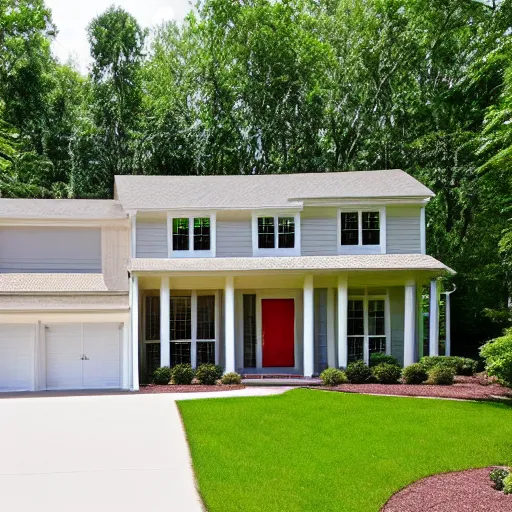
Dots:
pixel 467 388
pixel 193 388
pixel 462 491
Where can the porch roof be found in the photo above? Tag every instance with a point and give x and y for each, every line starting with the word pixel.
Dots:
pixel 367 262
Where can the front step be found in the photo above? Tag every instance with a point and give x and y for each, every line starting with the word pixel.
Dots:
pixel 287 380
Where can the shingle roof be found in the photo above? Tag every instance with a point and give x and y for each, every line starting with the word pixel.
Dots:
pixel 260 191
pixel 306 263
pixel 61 209
pixel 63 303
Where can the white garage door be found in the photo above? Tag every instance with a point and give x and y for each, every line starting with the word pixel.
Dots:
pixel 17 357
pixel 83 356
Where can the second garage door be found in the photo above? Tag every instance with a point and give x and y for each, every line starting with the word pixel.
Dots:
pixel 83 356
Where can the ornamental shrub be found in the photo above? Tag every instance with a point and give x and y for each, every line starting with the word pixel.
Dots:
pixel 219 371
pixel 460 365
pixel 379 358
pixel 498 475
pixel 386 373
pixel 333 377
pixel 414 374
pixel 231 378
pixel 358 373
pixel 182 374
pixel 162 375
pixel 466 366
pixel 507 484
pixel 441 376
pixel 207 374
pixel 498 358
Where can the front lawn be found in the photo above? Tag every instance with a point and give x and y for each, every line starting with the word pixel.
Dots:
pixel 309 450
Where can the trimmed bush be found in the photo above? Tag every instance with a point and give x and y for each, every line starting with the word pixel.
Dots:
pixel 231 378
pixel 162 375
pixel 207 374
pixel 507 484
pixel 182 374
pixel 498 475
pixel 460 365
pixel 333 377
pixel 386 373
pixel 466 366
pixel 219 371
pixel 414 374
pixel 498 358
pixel 379 358
pixel 441 376
pixel 358 373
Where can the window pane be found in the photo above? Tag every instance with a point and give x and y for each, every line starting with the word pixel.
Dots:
pixel 355 349
pixel 152 326
pixel 371 231
pixel 206 317
pixel 355 318
pixel 180 234
pixel 266 232
pixel 249 331
pixel 286 232
pixel 376 317
pixel 349 229
pixel 377 345
pixel 180 318
pixel 180 353
pixel 205 352
pixel 152 359
pixel 202 234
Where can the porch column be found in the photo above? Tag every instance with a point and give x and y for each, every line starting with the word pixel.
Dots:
pixel 165 322
pixel 229 325
pixel 342 321
pixel 409 323
pixel 433 320
pixel 331 338
pixel 309 338
pixel 134 303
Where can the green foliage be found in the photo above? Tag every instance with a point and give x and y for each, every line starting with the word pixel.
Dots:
pixel 162 375
pixel 379 358
pixel 497 476
pixel 498 358
pixel 441 376
pixel 507 484
pixel 385 373
pixel 414 374
pixel 208 374
pixel 231 378
pixel 333 377
pixel 182 374
pixel 460 365
pixel 358 373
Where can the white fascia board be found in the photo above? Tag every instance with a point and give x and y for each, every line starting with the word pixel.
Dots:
pixel 367 201
pixel 95 223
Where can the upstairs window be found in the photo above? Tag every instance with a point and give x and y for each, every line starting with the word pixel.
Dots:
pixel 266 233
pixel 202 234
pixel 286 239
pixel 349 228
pixel 360 228
pixel 191 234
pixel 270 238
pixel 371 228
pixel 180 234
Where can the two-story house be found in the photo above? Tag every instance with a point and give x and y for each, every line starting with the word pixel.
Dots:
pixel 274 274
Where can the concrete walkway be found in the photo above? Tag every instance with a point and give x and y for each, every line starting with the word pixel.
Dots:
pixel 106 453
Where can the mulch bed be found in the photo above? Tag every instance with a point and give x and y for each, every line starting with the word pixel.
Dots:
pixel 193 388
pixel 462 491
pixel 466 388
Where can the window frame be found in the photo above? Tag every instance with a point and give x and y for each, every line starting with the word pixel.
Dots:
pixel 191 252
pixel 360 248
pixel 276 250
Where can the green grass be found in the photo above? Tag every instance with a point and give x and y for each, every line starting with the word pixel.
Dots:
pixel 318 451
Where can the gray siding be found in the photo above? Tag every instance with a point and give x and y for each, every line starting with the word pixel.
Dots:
pixel 396 303
pixel 320 320
pixel 319 236
pixel 151 239
pixel 234 238
pixel 403 231
pixel 50 249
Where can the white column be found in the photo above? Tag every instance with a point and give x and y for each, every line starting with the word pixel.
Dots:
pixel 193 328
pixel 165 322
pixel 409 323
pixel 229 323
pixel 309 338
pixel 135 332
pixel 447 326
pixel 331 337
pixel 433 320
pixel 342 321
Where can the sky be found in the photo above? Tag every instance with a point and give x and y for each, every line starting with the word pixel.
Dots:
pixel 73 16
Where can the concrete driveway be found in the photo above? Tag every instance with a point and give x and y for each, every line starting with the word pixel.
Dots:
pixel 94 453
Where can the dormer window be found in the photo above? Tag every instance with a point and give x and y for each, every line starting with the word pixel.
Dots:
pixel 276 235
pixel 361 231
pixel 192 236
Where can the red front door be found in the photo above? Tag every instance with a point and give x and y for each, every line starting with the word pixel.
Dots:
pixel 278 320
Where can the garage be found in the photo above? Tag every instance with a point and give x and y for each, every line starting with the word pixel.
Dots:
pixel 17 357
pixel 83 355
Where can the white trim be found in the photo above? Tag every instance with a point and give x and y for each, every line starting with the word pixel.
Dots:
pixel 276 251
pixel 342 321
pixel 229 326
pixel 364 202
pixel 82 223
pixel 423 232
pixel 125 359
pixel 193 328
pixel 433 320
pixel 383 219
pixel 360 248
pixel 387 325
pixel 331 338
pixel 135 331
pixel 191 253
pixel 409 323
pixel 217 327
pixel 133 237
pixel 308 332
pixel 165 322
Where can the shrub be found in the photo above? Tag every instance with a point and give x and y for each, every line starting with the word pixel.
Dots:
pixel 333 377
pixel 414 374
pixel 507 484
pixel 207 374
pixel 497 475
pixel 466 366
pixel 386 373
pixel 219 371
pixel 442 376
pixel 379 358
pixel 231 378
pixel 358 373
pixel 460 365
pixel 182 374
pixel 162 375
pixel 498 358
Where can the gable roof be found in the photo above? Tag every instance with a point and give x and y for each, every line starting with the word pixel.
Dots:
pixel 261 191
